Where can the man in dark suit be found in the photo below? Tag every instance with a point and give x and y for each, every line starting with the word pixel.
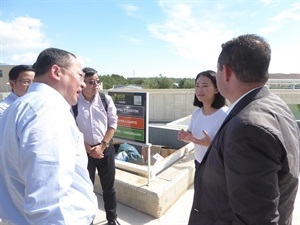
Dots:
pixel 250 172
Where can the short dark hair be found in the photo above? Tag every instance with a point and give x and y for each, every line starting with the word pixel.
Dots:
pixel 15 71
pixel 50 56
pixel 248 56
pixel 219 100
pixel 88 71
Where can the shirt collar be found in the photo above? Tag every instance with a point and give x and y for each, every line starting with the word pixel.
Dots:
pixel 239 99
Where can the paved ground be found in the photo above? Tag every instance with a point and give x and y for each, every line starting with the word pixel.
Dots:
pixel 177 215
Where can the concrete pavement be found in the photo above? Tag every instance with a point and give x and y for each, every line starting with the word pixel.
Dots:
pixel 178 214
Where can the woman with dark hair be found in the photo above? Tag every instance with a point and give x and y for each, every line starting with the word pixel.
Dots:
pixel 207 118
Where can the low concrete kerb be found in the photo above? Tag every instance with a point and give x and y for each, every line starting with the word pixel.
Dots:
pixel 162 192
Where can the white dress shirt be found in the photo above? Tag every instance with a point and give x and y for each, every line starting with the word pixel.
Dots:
pixel 93 120
pixel 43 163
pixel 7 101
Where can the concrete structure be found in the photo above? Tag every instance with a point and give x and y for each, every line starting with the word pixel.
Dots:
pixel 162 192
pixel 164 189
pixel 166 105
pixel 4 86
pixel 284 83
pixel 177 214
pixel 289 96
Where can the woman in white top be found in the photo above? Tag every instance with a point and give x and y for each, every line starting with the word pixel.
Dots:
pixel 207 118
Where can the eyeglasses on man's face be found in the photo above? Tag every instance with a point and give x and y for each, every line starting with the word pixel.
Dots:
pixel 93 82
pixel 81 76
pixel 24 82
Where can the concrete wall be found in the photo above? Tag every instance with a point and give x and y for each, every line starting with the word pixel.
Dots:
pixel 289 96
pixel 165 136
pixel 166 105
pixel 4 79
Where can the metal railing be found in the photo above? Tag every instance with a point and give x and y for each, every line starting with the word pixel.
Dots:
pixel 284 84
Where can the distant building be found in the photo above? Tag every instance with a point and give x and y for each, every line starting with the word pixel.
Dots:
pixel 4 70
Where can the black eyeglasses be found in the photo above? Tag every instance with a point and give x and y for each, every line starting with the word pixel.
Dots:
pixel 93 82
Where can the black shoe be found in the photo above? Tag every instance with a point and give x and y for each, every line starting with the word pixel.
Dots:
pixel 113 222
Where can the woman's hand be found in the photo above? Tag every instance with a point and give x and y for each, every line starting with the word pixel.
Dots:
pixel 202 141
pixel 184 136
pixel 187 137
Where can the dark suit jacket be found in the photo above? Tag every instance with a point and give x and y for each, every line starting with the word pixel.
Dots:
pixel 249 174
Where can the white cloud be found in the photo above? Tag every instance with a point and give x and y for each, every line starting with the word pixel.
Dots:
pixel 130 39
pixel 281 20
pixel 131 10
pixel 194 37
pixel 23 34
pixel 265 31
pixel 175 10
pixel 196 34
pixel 288 14
pixel 266 2
pixel 24 58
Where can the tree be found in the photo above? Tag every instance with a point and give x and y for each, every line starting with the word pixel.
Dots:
pixel 150 83
pixel 160 82
pixel 187 83
pixel 164 82
pixel 110 80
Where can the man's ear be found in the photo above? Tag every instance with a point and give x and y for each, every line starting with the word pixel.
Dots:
pixel 11 83
pixel 55 72
pixel 228 73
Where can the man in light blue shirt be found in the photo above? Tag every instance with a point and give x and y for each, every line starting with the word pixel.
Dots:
pixel 43 175
pixel 20 77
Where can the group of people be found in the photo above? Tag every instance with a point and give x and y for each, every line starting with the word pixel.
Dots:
pixel 46 176
pixel 246 155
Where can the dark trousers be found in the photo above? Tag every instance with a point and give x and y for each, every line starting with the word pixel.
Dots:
pixel 194 218
pixel 106 171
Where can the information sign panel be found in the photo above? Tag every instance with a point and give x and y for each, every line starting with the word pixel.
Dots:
pixel 132 111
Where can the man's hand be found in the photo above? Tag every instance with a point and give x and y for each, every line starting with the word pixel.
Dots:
pixel 97 152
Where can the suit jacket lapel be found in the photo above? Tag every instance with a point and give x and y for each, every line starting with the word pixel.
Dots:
pixel 256 94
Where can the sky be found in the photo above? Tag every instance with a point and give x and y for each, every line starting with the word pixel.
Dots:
pixel 148 38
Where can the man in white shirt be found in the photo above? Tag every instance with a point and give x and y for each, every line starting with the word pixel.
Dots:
pixel 43 175
pixel 20 77
pixel 97 119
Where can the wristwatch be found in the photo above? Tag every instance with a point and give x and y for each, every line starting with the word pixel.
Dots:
pixel 106 144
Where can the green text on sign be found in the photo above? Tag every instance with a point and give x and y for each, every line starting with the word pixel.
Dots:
pixel 132 134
